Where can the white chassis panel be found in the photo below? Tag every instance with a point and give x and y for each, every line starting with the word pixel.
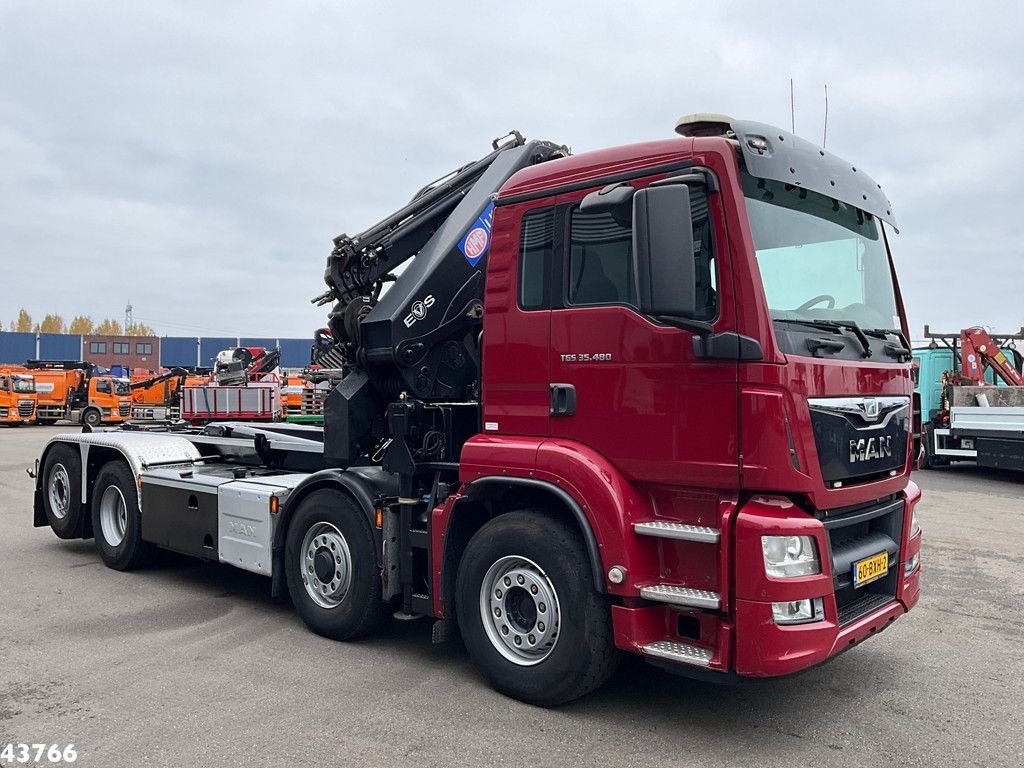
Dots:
pixel 140 449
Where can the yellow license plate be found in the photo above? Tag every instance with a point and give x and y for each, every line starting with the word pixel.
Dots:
pixel 870 568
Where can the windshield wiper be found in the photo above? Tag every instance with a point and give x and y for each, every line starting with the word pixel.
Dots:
pixel 899 351
pixel 836 326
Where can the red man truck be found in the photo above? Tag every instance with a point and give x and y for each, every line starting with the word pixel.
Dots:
pixel 653 399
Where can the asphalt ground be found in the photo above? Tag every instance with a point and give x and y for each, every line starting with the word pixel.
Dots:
pixel 188 663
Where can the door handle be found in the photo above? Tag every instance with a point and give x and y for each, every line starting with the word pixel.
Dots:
pixel 563 400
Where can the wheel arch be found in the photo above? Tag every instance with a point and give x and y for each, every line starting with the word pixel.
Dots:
pixel 358 487
pixel 489 497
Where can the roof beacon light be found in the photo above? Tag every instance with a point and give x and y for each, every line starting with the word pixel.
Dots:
pixel 704 124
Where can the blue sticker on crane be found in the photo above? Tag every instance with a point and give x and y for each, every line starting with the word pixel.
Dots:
pixel 476 242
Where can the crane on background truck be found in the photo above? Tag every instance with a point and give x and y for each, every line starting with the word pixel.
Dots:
pixel 653 399
pixel 245 384
pixel 979 349
pixel 158 397
pixel 966 417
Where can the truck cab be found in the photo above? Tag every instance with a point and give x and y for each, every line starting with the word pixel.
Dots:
pixel 112 396
pixel 17 398
pixel 745 377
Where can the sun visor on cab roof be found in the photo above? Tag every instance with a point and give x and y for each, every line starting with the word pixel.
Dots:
pixel 775 154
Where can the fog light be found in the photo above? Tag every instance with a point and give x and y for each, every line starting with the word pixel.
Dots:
pixel 911 565
pixel 798 611
pixel 789 556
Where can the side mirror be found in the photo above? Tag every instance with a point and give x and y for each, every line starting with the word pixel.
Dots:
pixel 663 252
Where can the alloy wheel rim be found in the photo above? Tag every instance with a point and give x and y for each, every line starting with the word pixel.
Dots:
pixel 326 565
pixel 60 491
pixel 113 515
pixel 520 611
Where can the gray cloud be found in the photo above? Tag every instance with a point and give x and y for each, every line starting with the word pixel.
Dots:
pixel 198 157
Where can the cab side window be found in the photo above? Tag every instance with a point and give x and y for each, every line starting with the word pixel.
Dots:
pixel 4 386
pixel 536 248
pixel 570 258
pixel 600 259
pixel 103 386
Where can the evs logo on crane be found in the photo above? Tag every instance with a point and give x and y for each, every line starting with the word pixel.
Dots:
pixel 475 243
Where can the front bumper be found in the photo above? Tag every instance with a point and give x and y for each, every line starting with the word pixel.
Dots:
pixel 745 639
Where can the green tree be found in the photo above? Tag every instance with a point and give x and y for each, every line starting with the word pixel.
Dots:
pixel 52 324
pixel 109 328
pixel 139 329
pixel 81 325
pixel 24 322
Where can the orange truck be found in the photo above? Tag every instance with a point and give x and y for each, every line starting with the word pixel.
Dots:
pixel 73 391
pixel 156 397
pixel 17 397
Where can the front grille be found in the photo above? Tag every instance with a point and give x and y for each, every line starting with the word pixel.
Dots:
pixel 3 413
pixel 854 447
pixel 857 533
pixel 25 408
pixel 124 408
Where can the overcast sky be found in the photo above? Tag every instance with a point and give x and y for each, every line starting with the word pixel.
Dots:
pixel 197 157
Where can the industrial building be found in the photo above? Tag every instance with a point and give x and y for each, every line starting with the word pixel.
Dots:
pixel 149 353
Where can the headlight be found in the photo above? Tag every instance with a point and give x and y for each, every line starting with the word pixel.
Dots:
pixel 915 527
pixel 798 611
pixel 789 556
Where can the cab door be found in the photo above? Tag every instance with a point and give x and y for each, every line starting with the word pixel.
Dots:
pixel 631 386
pixel 517 331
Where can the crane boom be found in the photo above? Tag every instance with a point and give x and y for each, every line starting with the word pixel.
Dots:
pixel 977 346
pixel 421 335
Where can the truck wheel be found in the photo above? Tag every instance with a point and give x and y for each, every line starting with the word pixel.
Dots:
pixel 528 612
pixel 62 486
pixel 331 567
pixel 92 417
pixel 116 521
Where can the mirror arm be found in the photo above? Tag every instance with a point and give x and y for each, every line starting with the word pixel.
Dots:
pixel 686 324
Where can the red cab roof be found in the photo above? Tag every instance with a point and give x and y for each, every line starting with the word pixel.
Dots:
pixel 595 165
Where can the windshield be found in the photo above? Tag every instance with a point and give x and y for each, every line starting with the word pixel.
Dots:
pixel 25 386
pixel 820 259
pixel 122 387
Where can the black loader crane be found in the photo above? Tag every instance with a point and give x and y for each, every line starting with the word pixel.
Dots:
pixel 410 355
pixel 421 336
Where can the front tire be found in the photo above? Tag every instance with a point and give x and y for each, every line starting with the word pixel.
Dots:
pixel 331 567
pixel 62 488
pixel 92 417
pixel 116 519
pixel 529 614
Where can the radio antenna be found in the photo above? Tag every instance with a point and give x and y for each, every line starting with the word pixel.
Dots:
pixel 792 108
pixel 824 130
